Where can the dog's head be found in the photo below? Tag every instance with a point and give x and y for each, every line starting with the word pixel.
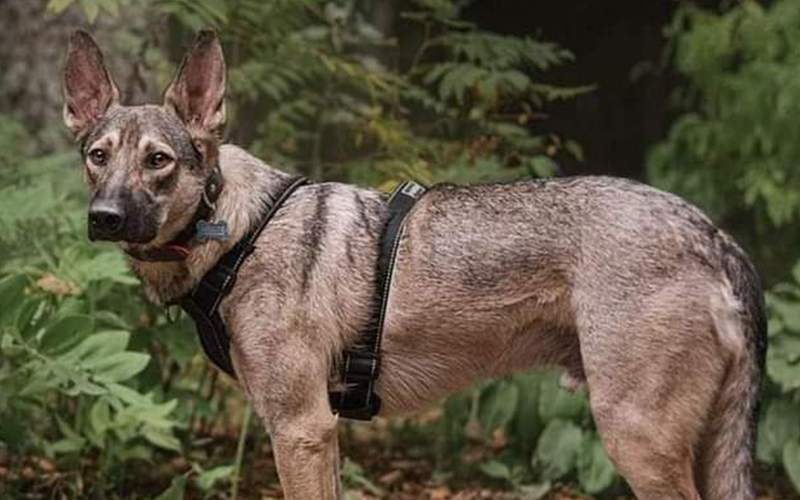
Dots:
pixel 147 166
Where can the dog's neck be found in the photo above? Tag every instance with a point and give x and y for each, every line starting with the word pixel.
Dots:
pixel 249 184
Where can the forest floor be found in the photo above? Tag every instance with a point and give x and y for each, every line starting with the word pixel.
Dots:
pixel 385 470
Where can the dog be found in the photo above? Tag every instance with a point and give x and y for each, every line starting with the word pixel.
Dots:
pixel 633 292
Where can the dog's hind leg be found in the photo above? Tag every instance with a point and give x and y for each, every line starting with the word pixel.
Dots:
pixel 653 369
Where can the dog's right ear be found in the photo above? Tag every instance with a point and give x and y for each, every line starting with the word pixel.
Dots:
pixel 89 91
pixel 197 95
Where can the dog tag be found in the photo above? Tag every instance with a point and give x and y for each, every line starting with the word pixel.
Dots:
pixel 413 189
pixel 212 231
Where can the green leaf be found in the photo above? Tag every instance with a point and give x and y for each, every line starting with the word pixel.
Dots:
pixel 496 470
pixel 112 319
pixel 129 396
pixel 112 6
pixel 118 367
pixel 207 479
pixel 180 346
pixel 58 6
pixel 152 414
pixel 12 293
pixel 65 446
pixel 787 310
pixel 543 166
pixel 65 331
pixel 354 473
pixel 83 386
pixel 32 314
pixel 595 470
pixel 791 461
pixel 780 370
pixel 139 452
pixel 779 426
pixel 558 448
pixel 497 405
pixel 100 416
pixel 575 149
pixel 98 346
pixel 175 491
pixel 535 491
pixel 92 9
pixel 556 402
pixel 527 424
pixel 72 442
pixel 161 438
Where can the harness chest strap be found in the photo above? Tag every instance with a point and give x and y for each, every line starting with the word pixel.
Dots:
pixel 361 363
pixel 202 303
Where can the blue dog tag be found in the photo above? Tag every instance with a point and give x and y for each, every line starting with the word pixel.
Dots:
pixel 212 231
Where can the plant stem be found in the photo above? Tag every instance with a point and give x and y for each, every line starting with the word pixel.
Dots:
pixel 248 412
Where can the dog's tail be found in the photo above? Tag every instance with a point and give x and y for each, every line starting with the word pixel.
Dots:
pixel 727 458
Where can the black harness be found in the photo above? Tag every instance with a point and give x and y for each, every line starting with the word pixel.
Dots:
pixel 361 362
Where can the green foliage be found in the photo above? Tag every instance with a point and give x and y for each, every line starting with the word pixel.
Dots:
pixel 336 105
pixel 779 439
pixel 543 433
pixel 353 476
pixel 733 150
pixel 65 333
pixel 743 66
pixel 91 8
pixel 175 491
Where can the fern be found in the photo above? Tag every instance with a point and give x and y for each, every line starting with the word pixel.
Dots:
pixel 329 102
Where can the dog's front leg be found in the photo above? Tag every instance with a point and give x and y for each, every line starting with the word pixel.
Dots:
pixel 290 394
pixel 307 456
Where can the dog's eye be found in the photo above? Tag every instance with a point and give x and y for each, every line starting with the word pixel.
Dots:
pixel 158 160
pixel 98 157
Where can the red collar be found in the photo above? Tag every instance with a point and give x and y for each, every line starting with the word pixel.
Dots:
pixel 167 253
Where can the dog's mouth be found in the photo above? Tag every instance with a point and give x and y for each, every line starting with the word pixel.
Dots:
pixel 171 252
pixel 172 242
pixel 156 249
pixel 137 236
pixel 123 237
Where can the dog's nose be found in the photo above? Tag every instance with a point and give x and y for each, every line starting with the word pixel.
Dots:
pixel 106 220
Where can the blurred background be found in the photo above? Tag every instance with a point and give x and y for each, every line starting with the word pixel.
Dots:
pixel 103 396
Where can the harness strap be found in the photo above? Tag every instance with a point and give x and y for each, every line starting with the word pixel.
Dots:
pixel 361 366
pixel 202 303
pixel 362 362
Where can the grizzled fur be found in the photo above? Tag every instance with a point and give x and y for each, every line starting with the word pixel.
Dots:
pixel 632 291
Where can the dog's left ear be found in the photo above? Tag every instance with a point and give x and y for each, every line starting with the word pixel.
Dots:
pixel 197 95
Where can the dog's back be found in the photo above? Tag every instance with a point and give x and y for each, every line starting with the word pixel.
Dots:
pixel 632 290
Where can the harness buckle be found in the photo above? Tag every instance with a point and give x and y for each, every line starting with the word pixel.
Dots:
pixel 357 399
pixel 360 366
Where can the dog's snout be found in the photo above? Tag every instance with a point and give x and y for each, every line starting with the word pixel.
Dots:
pixel 106 220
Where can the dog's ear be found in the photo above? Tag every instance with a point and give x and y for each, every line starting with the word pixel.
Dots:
pixel 197 94
pixel 89 90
